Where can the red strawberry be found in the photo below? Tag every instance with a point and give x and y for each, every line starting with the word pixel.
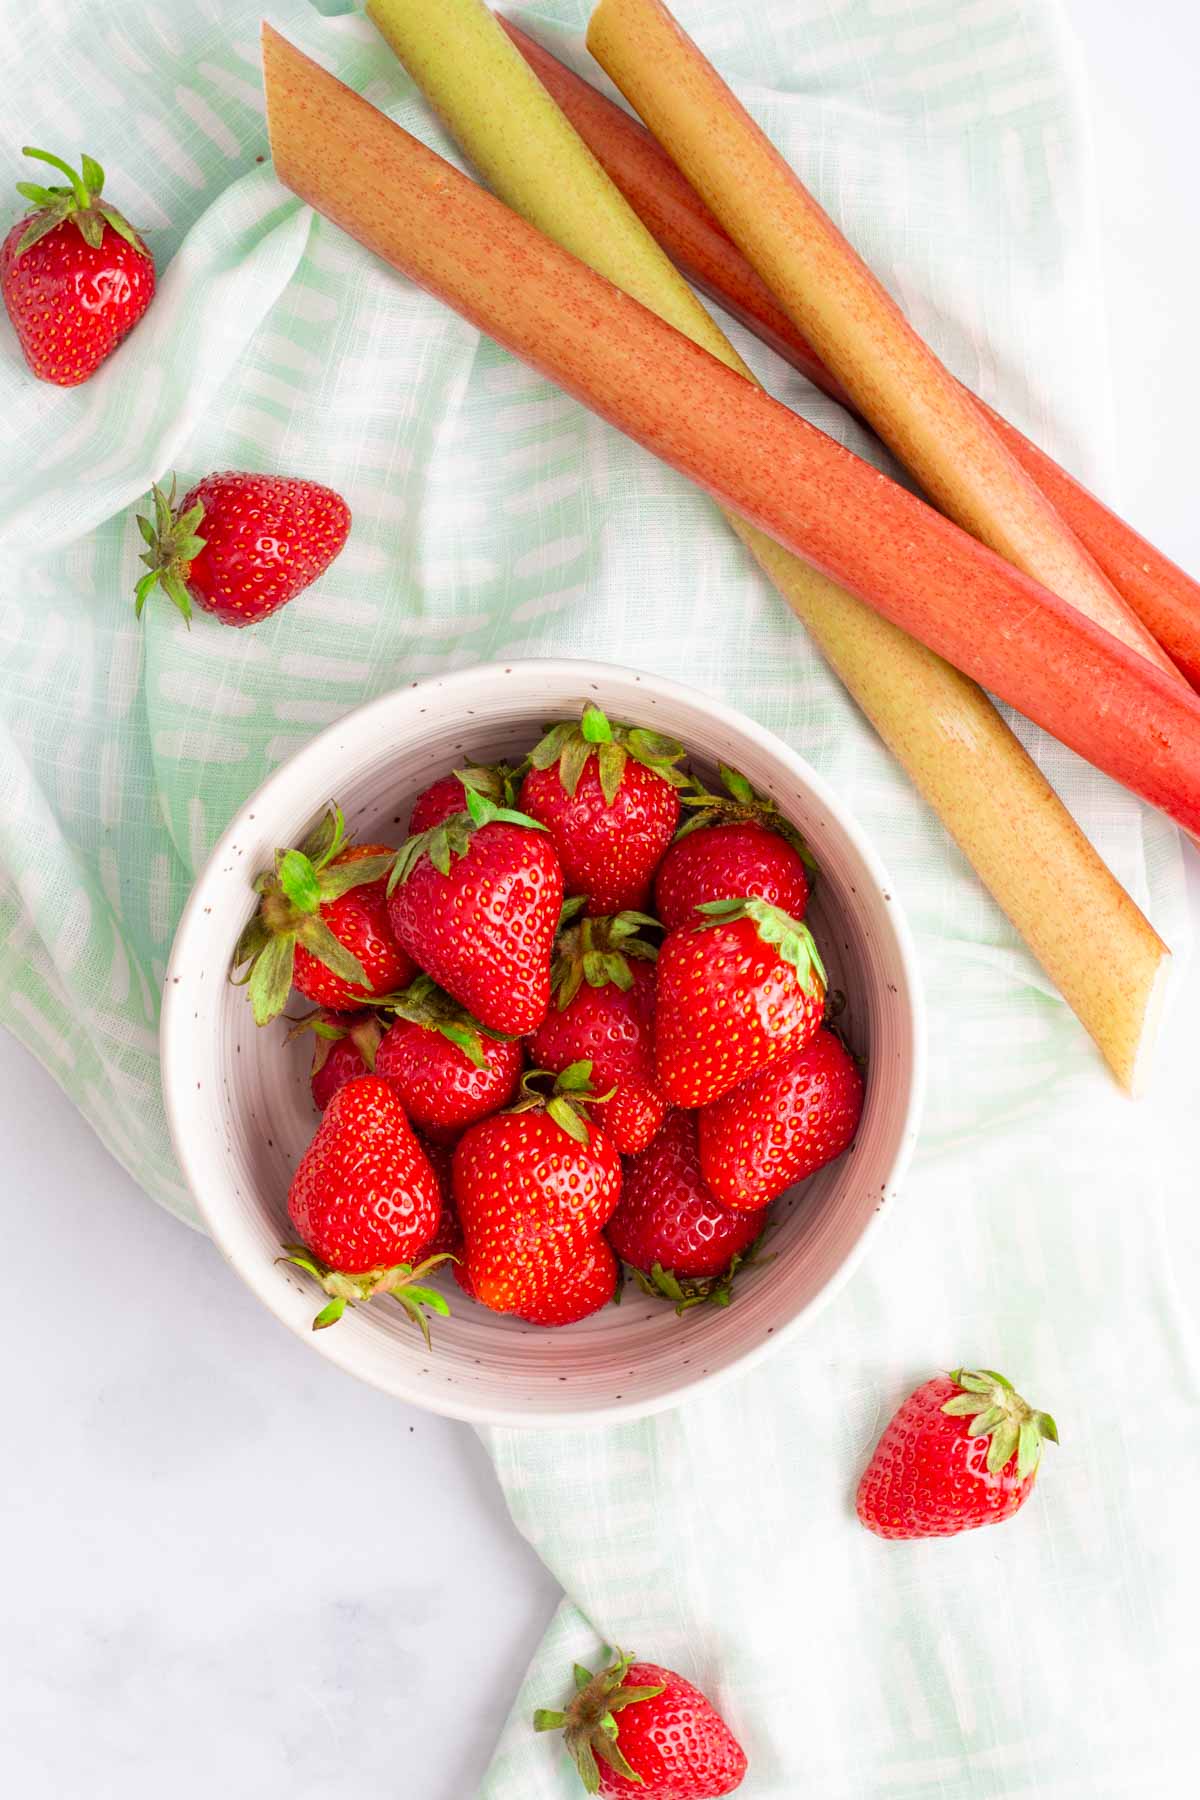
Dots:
pixel 75 275
pixel 535 1188
pixel 670 1227
pixel 604 1014
pixel 265 539
pixel 322 924
pixel 447 1240
pixel 962 1451
pixel 475 902
pixel 637 1728
pixel 344 1047
pixel 734 995
pixel 782 1125
pixel 732 846
pixel 448 794
pixel 607 795
pixel 446 1070
pixel 365 1201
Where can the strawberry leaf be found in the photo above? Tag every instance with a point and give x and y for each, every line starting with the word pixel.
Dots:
pixel 319 941
pixel 333 882
pixel 572 763
pixel 612 759
pixel 567 1119
pixel 594 727
pixel 298 879
pixel 329 1315
pixel 270 980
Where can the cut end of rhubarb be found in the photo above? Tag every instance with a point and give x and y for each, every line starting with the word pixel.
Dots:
pixel 1135 1079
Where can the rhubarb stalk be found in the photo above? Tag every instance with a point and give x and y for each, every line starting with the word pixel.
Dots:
pixel 427 220
pixel 894 379
pixel 1164 597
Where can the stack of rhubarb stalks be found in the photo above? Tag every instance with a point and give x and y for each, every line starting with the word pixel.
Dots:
pixel 1010 575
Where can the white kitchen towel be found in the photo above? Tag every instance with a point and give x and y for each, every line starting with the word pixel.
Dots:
pixel 493 517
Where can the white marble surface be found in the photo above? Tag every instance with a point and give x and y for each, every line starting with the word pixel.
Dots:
pixel 226 1567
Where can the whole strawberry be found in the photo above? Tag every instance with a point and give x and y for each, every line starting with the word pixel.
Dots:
pixel 535 1188
pixel 475 902
pixel 344 1046
pixel 240 545
pixel 732 845
pixel 448 794
pixel 75 275
pixel 365 1203
pixel 446 1069
pixel 781 1125
pixel 322 925
pixel 639 1729
pixel 447 1240
pixel 962 1451
pixel 607 795
pixel 671 1228
pixel 735 994
pixel 603 1013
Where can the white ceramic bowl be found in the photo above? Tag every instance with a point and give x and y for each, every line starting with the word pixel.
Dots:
pixel 241 1113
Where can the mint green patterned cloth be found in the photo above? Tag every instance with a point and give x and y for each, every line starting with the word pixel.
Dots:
pixel 493 518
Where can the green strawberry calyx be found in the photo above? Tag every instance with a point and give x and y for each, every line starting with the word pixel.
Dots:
pixel 564 1097
pixel 424 1003
pixel 454 836
pixel 403 1282
pixel 598 951
pixel 79 202
pixel 686 1291
pixel 739 803
pixel 291 895
pixel 793 940
pixel 171 544
pixel 572 742
pixel 589 1721
pixel 496 781
pixel 997 1412
pixel 365 1034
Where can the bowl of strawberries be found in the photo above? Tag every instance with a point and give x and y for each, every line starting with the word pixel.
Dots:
pixel 563 1061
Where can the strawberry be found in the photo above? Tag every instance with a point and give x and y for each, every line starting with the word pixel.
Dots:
pixel 535 1188
pixel 735 994
pixel 781 1125
pixel 732 845
pixel 607 795
pixel 266 538
pixel 637 1728
pixel 75 275
pixel 344 1048
pixel 604 1014
pixel 671 1228
pixel 447 1240
pixel 962 1451
pixel 322 924
pixel 448 794
pixel 446 1069
pixel 475 902
pixel 365 1200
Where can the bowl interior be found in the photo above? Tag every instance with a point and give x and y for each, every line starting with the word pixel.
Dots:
pixel 242 1113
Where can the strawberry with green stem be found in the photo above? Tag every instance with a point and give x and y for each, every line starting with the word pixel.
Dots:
pixel 447 1068
pixel 344 1046
pixel 671 1229
pixel 962 1451
pixel 640 1729
pixel 781 1125
pixel 603 1012
pixel 535 1188
pixel 448 794
pixel 265 539
pixel 735 993
pixel 730 846
pixel 75 275
pixel 475 902
pixel 608 795
pixel 321 925
pixel 365 1202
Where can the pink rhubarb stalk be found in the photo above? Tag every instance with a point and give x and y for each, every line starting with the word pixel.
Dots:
pixel 1164 597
